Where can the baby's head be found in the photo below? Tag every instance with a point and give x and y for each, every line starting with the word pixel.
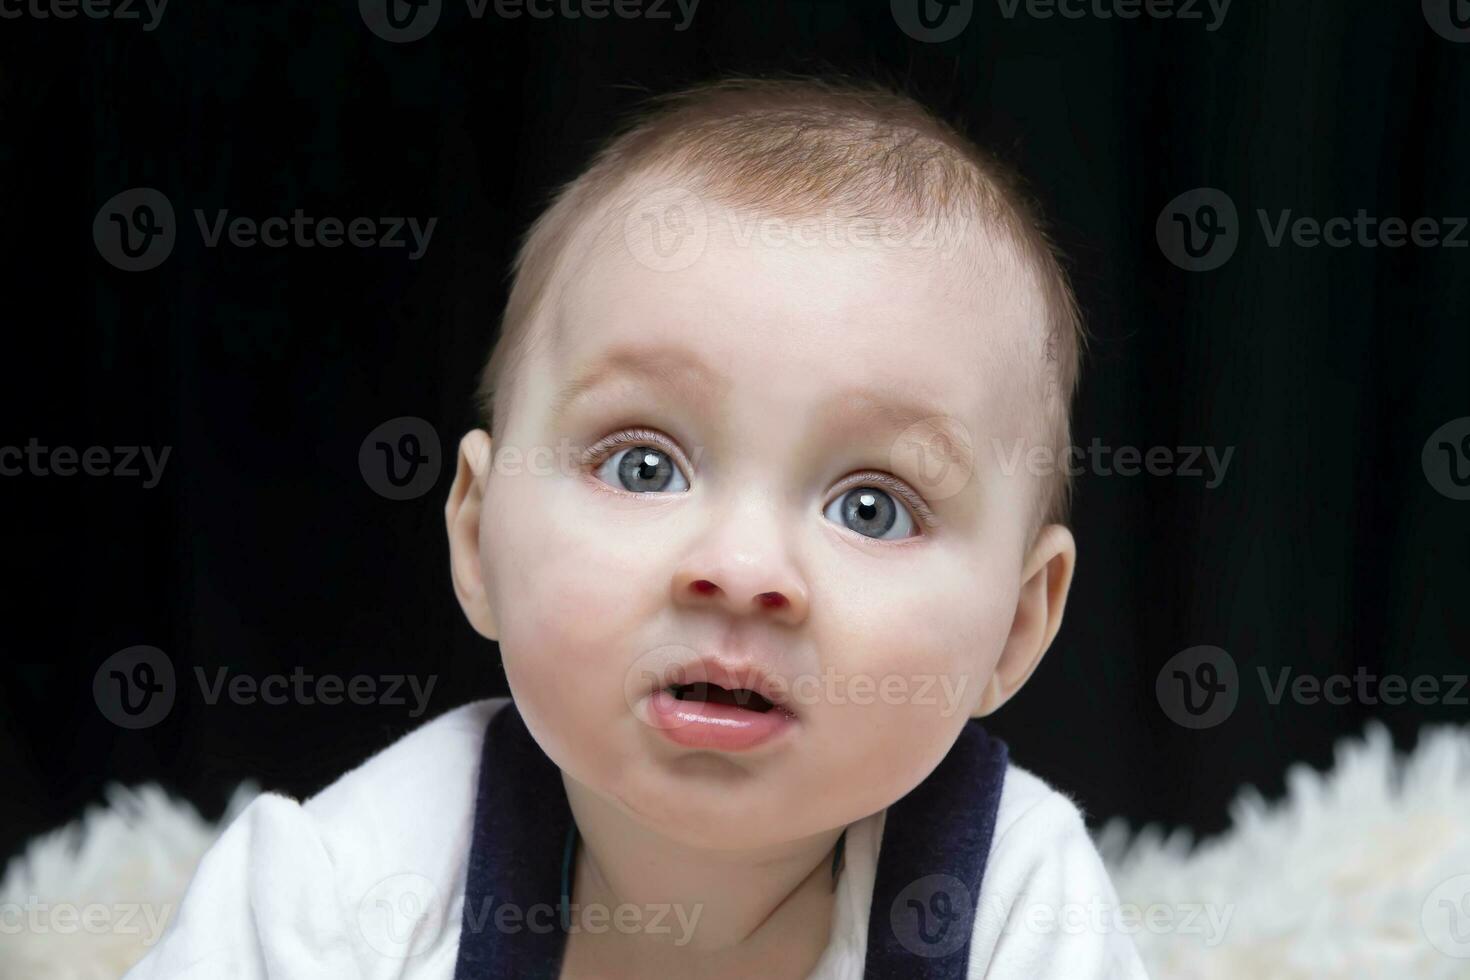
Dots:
pixel 764 379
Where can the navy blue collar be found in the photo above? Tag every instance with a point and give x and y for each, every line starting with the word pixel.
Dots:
pixel 930 866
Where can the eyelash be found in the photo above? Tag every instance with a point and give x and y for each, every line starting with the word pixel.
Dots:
pixel 598 452
pixel 868 478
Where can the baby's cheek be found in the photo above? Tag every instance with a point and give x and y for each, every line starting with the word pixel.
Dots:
pixel 925 655
pixel 569 611
pixel 942 630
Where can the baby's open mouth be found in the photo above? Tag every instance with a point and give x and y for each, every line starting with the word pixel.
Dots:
pixel 710 706
pixel 740 697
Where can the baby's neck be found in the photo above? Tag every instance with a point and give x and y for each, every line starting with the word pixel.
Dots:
pixel 698 912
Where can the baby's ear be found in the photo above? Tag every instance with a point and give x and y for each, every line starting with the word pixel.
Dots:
pixel 462 521
pixel 1046 579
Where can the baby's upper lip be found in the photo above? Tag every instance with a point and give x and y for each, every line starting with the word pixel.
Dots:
pixel 730 673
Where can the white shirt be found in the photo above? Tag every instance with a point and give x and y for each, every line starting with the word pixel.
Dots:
pixel 366 880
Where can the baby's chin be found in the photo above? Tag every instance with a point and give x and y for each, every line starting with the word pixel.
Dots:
pixel 714 801
pixel 706 801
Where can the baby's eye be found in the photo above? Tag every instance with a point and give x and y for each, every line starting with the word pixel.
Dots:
pixel 642 469
pixel 871 512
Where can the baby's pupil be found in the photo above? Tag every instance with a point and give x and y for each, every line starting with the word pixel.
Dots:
pixel 645 469
pixel 869 511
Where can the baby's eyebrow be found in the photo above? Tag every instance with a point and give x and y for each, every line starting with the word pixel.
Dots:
pixel 658 366
pixel 886 406
pixel 874 406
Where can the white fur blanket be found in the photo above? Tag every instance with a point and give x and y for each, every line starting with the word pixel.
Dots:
pixel 1363 871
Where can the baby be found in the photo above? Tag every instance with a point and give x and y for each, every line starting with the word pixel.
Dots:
pixel 755 566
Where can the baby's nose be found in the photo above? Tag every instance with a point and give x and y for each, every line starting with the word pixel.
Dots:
pixel 767 599
pixel 743 588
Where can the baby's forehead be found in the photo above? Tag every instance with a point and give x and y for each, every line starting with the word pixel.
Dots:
pixel 786 302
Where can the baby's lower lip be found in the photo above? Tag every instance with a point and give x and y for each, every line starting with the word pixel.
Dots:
pixel 710 725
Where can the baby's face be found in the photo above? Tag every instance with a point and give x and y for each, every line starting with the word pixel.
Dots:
pixel 782 509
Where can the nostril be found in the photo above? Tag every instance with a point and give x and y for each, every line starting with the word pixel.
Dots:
pixel 705 586
pixel 772 600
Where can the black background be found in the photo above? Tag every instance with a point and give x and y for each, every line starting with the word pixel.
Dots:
pixel 263 549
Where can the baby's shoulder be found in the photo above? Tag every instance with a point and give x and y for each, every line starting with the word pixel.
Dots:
pixel 351 882
pixel 1039 826
pixel 1027 799
pixel 439 758
pixel 410 808
pixel 1044 877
